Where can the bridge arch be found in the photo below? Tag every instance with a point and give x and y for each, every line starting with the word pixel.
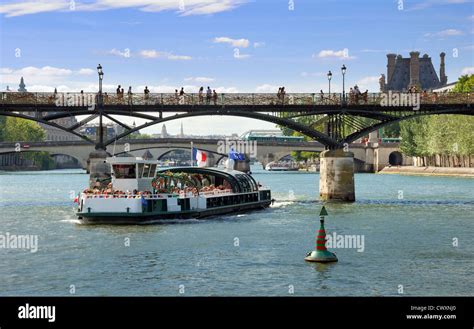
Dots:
pixel 308 131
pixel 395 158
pixel 365 131
pixel 51 154
pixel 171 148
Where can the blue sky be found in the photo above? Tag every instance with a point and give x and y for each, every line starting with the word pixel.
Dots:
pixel 231 45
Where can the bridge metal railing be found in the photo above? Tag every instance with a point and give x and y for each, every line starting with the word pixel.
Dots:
pixel 223 99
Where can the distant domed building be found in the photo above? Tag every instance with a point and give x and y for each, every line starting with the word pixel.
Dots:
pixel 403 73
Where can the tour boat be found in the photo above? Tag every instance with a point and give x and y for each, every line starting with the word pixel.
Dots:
pixel 281 166
pixel 140 191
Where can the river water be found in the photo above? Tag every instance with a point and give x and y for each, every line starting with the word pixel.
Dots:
pixel 417 240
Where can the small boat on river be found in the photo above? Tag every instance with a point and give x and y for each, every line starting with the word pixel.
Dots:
pixel 282 166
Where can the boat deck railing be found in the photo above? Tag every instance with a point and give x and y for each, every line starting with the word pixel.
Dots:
pixel 215 192
pixel 129 196
pixel 152 196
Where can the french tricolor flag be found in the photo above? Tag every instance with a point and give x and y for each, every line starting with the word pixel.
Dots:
pixel 200 157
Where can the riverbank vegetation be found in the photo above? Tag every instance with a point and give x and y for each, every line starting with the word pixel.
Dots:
pixel 20 130
pixel 441 140
pixel 436 140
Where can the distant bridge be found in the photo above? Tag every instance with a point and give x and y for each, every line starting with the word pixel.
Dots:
pixel 370 157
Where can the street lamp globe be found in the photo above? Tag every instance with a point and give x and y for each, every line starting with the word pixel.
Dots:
pixel 343 69
pixel 99 71
pixel 329 75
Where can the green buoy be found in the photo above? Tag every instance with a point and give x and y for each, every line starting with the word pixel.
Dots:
pixel 321 254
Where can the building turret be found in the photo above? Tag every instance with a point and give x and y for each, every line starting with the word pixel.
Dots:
pixel 414 68
pixel 442 71
pixel 391 59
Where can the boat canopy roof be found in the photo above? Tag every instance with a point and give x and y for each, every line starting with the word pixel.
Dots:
pixel 240 181
pixel 129 160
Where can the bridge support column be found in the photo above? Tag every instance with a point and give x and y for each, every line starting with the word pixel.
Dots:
pixel 336 180
pixel 99 170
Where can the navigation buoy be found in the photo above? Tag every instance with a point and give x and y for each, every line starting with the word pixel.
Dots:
pixel 321 254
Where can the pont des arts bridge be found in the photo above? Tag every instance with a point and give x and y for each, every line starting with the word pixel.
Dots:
pixel 336 120
pixel 369 157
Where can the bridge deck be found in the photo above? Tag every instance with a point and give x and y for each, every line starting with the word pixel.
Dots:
pixel 256 101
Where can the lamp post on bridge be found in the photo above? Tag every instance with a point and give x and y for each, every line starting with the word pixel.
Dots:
pixel 100 145
pixel 329 79
pixel 343 70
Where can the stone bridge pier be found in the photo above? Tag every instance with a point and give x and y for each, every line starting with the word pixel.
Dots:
pixel 99 169
pixel 265 159
pixel 336 178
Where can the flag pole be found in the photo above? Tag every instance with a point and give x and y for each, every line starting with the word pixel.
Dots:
pixel 192 155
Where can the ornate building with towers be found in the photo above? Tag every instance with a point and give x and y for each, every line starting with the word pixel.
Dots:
pixel 403 73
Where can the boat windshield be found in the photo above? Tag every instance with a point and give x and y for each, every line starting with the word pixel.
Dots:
pixel 124 171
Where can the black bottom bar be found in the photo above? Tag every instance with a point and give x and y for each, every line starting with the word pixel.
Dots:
pixel 90 312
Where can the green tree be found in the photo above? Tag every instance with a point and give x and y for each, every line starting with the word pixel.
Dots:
pixel 3 119
pixel 22 130
pixel 392 131
pixel 465 84
pixel 440 134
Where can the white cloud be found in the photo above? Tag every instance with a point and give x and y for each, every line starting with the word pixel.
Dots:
pixel 445 33
pixel 206 7
pixel 32 7
pixel 151 53
pixel 116 52
pixel 34 74
pixel 258 44
pixel 339 54
pixel 267 88
pixel 240 43
pixel 185 8
pixel 86 72
pixel 179 57
pixel 46 76
pixel 199 79
pixel 158 88
pixel 371 83
pixel 226 90
pixel 468 70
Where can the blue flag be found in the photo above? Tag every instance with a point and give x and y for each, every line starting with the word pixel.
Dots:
pixel 236 155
